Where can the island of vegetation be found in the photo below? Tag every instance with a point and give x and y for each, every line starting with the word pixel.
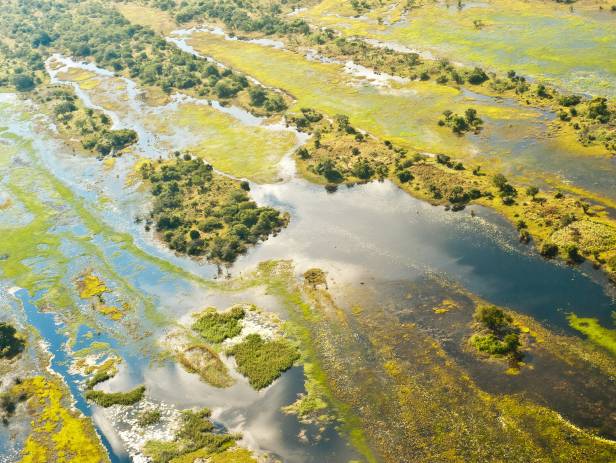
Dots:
pixel 11 342
pixel 215 326
pixel 108 399
pixel 496 335
pixel 197 440
pixel 199 212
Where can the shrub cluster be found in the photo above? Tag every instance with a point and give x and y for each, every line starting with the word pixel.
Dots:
pixel 498 335
pixel 201 213
pixel 11 343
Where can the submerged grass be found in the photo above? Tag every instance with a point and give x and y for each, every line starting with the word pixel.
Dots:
pixel 238 149
pixel 597 334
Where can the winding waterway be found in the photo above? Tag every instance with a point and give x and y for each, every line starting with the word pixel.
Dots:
pixel 365 233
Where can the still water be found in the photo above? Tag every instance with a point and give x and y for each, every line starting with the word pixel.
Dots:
pixel 368 232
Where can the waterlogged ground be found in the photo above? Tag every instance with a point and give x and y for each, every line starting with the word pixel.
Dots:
pixel 572 46
pixel 386 373
pixel 514 138
pixel 71 231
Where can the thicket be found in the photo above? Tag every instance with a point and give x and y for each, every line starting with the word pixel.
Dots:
pixel 97 31
pixel 11 343
pixel 498 336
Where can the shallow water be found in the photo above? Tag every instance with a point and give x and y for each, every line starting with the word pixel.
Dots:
pixel 361 233
pixel 514 138
pixel 571 45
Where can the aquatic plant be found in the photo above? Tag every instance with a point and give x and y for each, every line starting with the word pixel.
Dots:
pixel 262 361
pixel 315 277
pixel 59 432
pixel 215 326
pixel 596 333
pixel 103 372
pixel 90 286
pixel 204 361
pixel 108 399
pixel 149 417
pixel 196 438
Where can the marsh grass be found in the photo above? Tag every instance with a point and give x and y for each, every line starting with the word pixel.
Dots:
pixel 215 326
pixel 263 361
pixel 106 399
pixel 195 439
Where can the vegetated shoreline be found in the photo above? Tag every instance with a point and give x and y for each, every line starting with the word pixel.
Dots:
pixel 571 111
pixel 513 216
pixel 314 311
pixel 526 231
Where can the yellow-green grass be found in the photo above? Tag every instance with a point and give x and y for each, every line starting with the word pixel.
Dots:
pixel 232 147
pixel 58 433
pixel 596 333
pixel 87 80
pixel 144 15
pixel 406 114
pixel 538 39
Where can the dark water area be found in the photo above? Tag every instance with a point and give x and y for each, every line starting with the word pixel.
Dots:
pixel 571 385
pixel 378 231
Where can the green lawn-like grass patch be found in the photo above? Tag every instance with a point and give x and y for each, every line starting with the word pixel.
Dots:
pixel 262 361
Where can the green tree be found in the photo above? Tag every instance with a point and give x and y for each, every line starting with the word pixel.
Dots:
pixel 23 82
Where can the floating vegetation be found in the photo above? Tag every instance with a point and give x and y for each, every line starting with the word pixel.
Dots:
pixel 311 406
pixel 215 326
pixel 195 439
pixel 108 399
pixel 107 370
pixel 597 334
pixel 263 361
pixel 149 417
pixel 91 286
